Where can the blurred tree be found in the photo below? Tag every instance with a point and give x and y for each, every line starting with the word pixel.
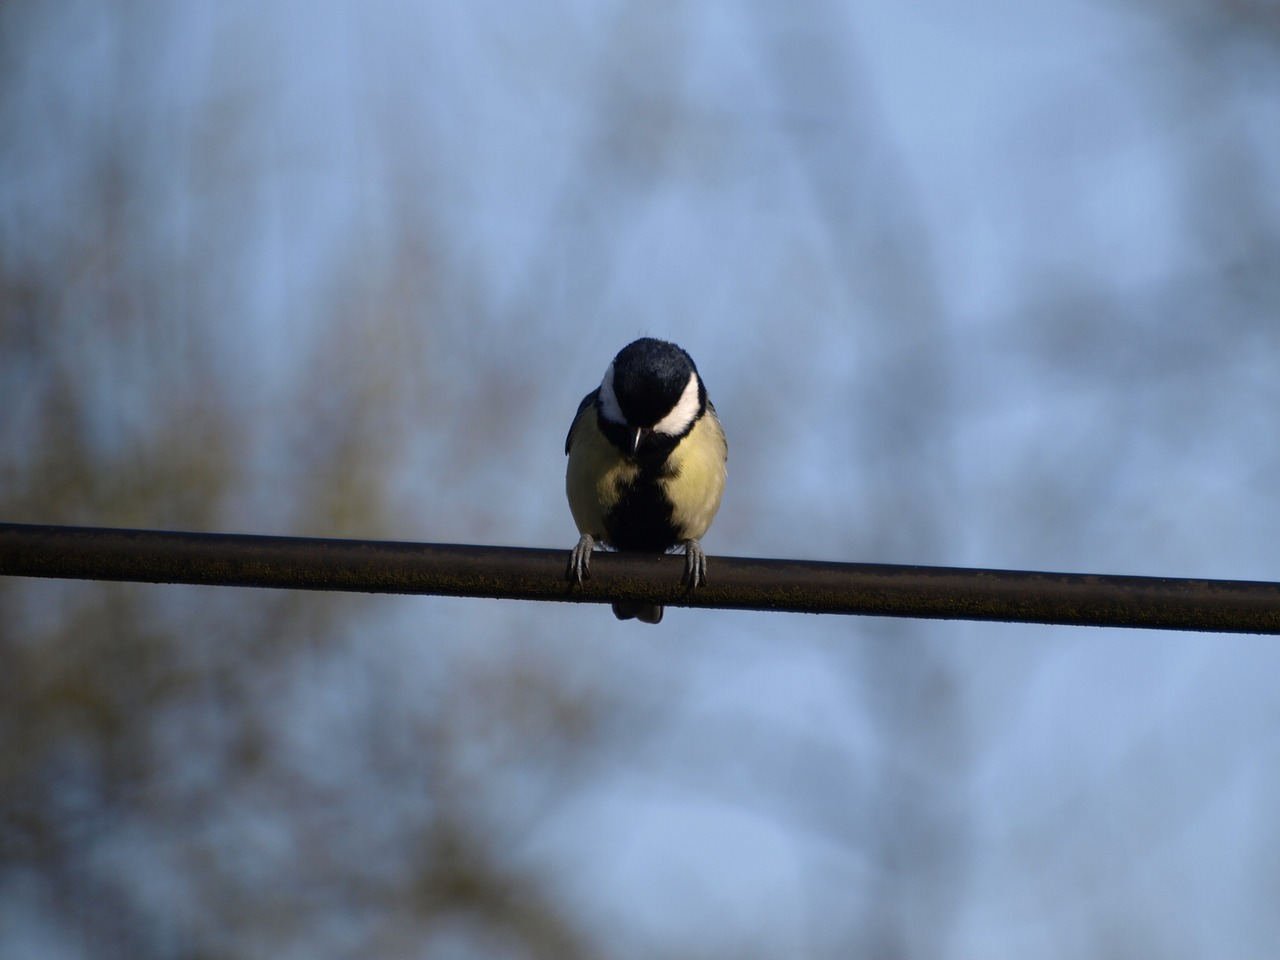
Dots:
pixel 161 791
pixel 192 338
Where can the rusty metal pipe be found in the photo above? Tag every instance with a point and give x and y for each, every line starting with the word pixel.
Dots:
pixel 795 586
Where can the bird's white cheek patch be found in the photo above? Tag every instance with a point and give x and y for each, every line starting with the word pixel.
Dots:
pixel 609 400
pixel 682 414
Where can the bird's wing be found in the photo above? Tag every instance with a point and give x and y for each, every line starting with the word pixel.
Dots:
pixel 583 407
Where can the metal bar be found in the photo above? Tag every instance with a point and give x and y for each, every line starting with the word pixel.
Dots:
pixel 513 573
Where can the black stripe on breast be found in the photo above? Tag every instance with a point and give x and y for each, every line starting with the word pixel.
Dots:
pixel 641 519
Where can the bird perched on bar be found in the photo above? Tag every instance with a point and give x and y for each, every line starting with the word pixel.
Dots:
pixel 647 461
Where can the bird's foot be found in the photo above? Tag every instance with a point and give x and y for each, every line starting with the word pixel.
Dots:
pixel 580 559
pixel 695 565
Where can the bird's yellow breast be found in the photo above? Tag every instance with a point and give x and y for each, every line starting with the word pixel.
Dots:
pixel 692 483
pixel 596 475
pixel 696 481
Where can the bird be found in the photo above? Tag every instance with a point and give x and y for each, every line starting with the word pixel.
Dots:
pixel 647 461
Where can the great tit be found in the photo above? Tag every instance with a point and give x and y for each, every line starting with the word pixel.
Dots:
pixel 646 463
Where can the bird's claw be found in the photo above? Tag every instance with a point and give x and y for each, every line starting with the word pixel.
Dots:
pixel 580 559
pixel 695 565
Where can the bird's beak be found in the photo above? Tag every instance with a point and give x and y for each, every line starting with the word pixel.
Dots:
pixel 639 437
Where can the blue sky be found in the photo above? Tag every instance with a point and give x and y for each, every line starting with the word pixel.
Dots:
pixel 979 286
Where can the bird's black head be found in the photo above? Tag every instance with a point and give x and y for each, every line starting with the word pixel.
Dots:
pixel 649 378
pixel 653 390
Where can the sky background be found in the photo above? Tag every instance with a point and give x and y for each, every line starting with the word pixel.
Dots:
pixel 988 286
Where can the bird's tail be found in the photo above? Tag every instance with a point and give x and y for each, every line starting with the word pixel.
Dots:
pixel 644 612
